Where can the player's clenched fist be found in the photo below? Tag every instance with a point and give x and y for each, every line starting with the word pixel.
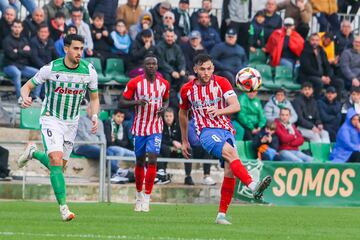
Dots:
pixel 25 102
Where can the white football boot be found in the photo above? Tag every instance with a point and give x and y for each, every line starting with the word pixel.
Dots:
pixel 27 155
pixel 66 214
pixel 138 201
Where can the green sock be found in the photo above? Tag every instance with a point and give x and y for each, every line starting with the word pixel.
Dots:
pixel 58 183
pixel 43 158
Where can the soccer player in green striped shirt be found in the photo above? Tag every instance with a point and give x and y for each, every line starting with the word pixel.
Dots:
pixel 66 82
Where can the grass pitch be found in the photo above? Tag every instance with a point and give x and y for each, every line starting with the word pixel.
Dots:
pixel 38 220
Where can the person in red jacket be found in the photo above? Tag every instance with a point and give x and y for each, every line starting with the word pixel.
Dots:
pixel 290 139
pixel 285 45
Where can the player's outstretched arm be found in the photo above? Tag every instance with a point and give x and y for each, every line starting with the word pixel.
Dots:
pixel 26 100
pixel 183 119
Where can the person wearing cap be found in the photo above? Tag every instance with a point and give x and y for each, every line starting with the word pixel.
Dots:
pixel 315 68
pixel 350 64
pixel 206 5
pixel 229 57
pixel 182 19
pixel 145 21
pixel 167 23
pixel 129 12
pixel 78 4
pixel 276 103
pixel 210 37
pixel 273 20
pixel 57 26
pixel 285 45
pixel 106 7
pixel 32 22
pixel 352 102
pixel 158 12
pixel 257 32
pixel 309 122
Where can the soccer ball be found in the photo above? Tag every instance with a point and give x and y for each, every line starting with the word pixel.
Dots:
pixel 248 79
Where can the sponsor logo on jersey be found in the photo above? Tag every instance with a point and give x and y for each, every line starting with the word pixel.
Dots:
pixel 69 91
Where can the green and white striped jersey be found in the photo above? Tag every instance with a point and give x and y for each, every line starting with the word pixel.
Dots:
pixel 65 88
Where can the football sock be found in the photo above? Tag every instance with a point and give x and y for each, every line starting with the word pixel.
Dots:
pixel 42 157
pixel 58 183
pixel 227 191
pixel 240 172
pixel 150 178
pixel 139 177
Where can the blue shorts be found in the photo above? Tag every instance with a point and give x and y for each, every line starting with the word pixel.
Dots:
pixel 213 140
pixel 147 144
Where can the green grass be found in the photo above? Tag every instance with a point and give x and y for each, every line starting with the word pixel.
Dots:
pixel 38 220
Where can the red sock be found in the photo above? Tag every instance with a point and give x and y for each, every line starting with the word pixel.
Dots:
pixel 240 172
pixel 150 178
pixel 139 177
pixel 227 191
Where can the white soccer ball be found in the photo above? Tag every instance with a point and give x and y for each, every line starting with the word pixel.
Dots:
pixel 248 79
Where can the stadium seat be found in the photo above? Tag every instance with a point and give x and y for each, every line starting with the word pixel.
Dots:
pixel 304 146
pixel 320 151
pixel 2 74
pixel 250 152
pixel 258 57
pixel 115 70
pixel 103 115
pixel 29 118
pixel 266 73
pixel 239 130
pixel 240 145
pixel 284 78
pixel 97 65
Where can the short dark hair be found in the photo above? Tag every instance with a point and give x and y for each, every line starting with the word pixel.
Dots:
pixel 70 26
pixel 170 110
pixel 202 10
pixel 150 55
pixel 146 33
pixel 202 58
pixel 72 37
pixel 119 110
pixel 271 125
pixel 306 85
pixel 60 14
pixel 279 90
pixel 355 89
pixel 98 15
pixel 41 26
pixel 328 35
pixel 17 21
pixel 315 34
pixel 75 9
pixel 120 21
pixel 286 109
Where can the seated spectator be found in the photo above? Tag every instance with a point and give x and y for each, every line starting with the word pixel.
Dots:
pixel 28 4
pixel 266 143
pixel 7 19
pixel 59 44
pixel 285 45
pixel 78 4
pixel 57 26
pixel 54 6
pixel 315 68
pixel 17 58
pixel 309 122
pixel 257 31
pixel 158 12
pixel 206 5
pixel 347 146
pixel 121 40
pixel 182 20
pixel 272 20
pixel 276 103
pixel 209 35
pixel 145 22
pixel 168 23
pixel 327 43
pixel 344 38
pixel 326 14
pixel 352 102
pixel 290 139
pixel 251 116
pixel 107 7
pixel 330 112
pixel 301 11
pixel 129 12
pixel 350 64
pixel 101 39
pixel 229 57
pixel 4 168
pixel 117 140
pixel 42 47
pixel 32 23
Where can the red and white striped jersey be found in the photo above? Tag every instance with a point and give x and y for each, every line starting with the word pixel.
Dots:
pixel 200 97
pixel 146 121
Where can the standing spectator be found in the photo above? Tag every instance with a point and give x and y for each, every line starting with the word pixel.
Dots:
pixel 309 122
pixel 6 21
pixel 299 10
pixel 32 23
pixel 315 68
pixel 350 64
pixel 228 57
pixel 210 37
pixel 343 6
pixel 266 143
pixel 158 12
pixel 28 4
pixel 276 103
pixel 257 32
pixel 168 23
pixel 59 44
pixel 330 112
pixel 290 139
pixel 57 26
pixel 352 102
pixel 106 7
pixel 17 59
pixel 206 5
pixel 53 7
pixel 145 22
pixel 251 116
pixel 4 169
pixel 347 146
pixel 78 4
pixel 182 19
pixel 344 38
pixel 326 14
pixel 273 20
pixel 129 12
pixel 121 40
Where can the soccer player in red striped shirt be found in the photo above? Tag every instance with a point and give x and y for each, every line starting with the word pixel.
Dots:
pixel 149 93
pixel 212 100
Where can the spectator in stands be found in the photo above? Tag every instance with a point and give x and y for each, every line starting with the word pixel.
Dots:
pixel 106 7
pixel 59 44
pixel 4 168
pixel 182 19
pixel 168 23
pixel 285 45
pixel 121 40
pixel 28 4
pixel 328 44
pixel 57 26
pixel 251 116
pixel 352 102
pixel 350 64
pixel 229 57
pixel 101 38
pixel 276 103
pixel 326 14
pixel 209 35
pixel 158 12
pixel 17 57
pixel 290 139
pixel 207 6
pixel 266 143
pixel 42 47
pixel 344 38
pixel 145 22
pixel 315 68
pixel 330 112
pixel 78 4
pixel 117 140
pixel 83 29
pixel 343 6
pixel 273 20
pixel 347 146
pixel 309 122
pixel 299 10
pixel 129 12
pixel 54 6
pixel 32 23
pixel 6 21
pixel 257 32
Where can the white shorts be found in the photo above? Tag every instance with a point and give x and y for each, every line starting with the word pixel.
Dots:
pixel 58 135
